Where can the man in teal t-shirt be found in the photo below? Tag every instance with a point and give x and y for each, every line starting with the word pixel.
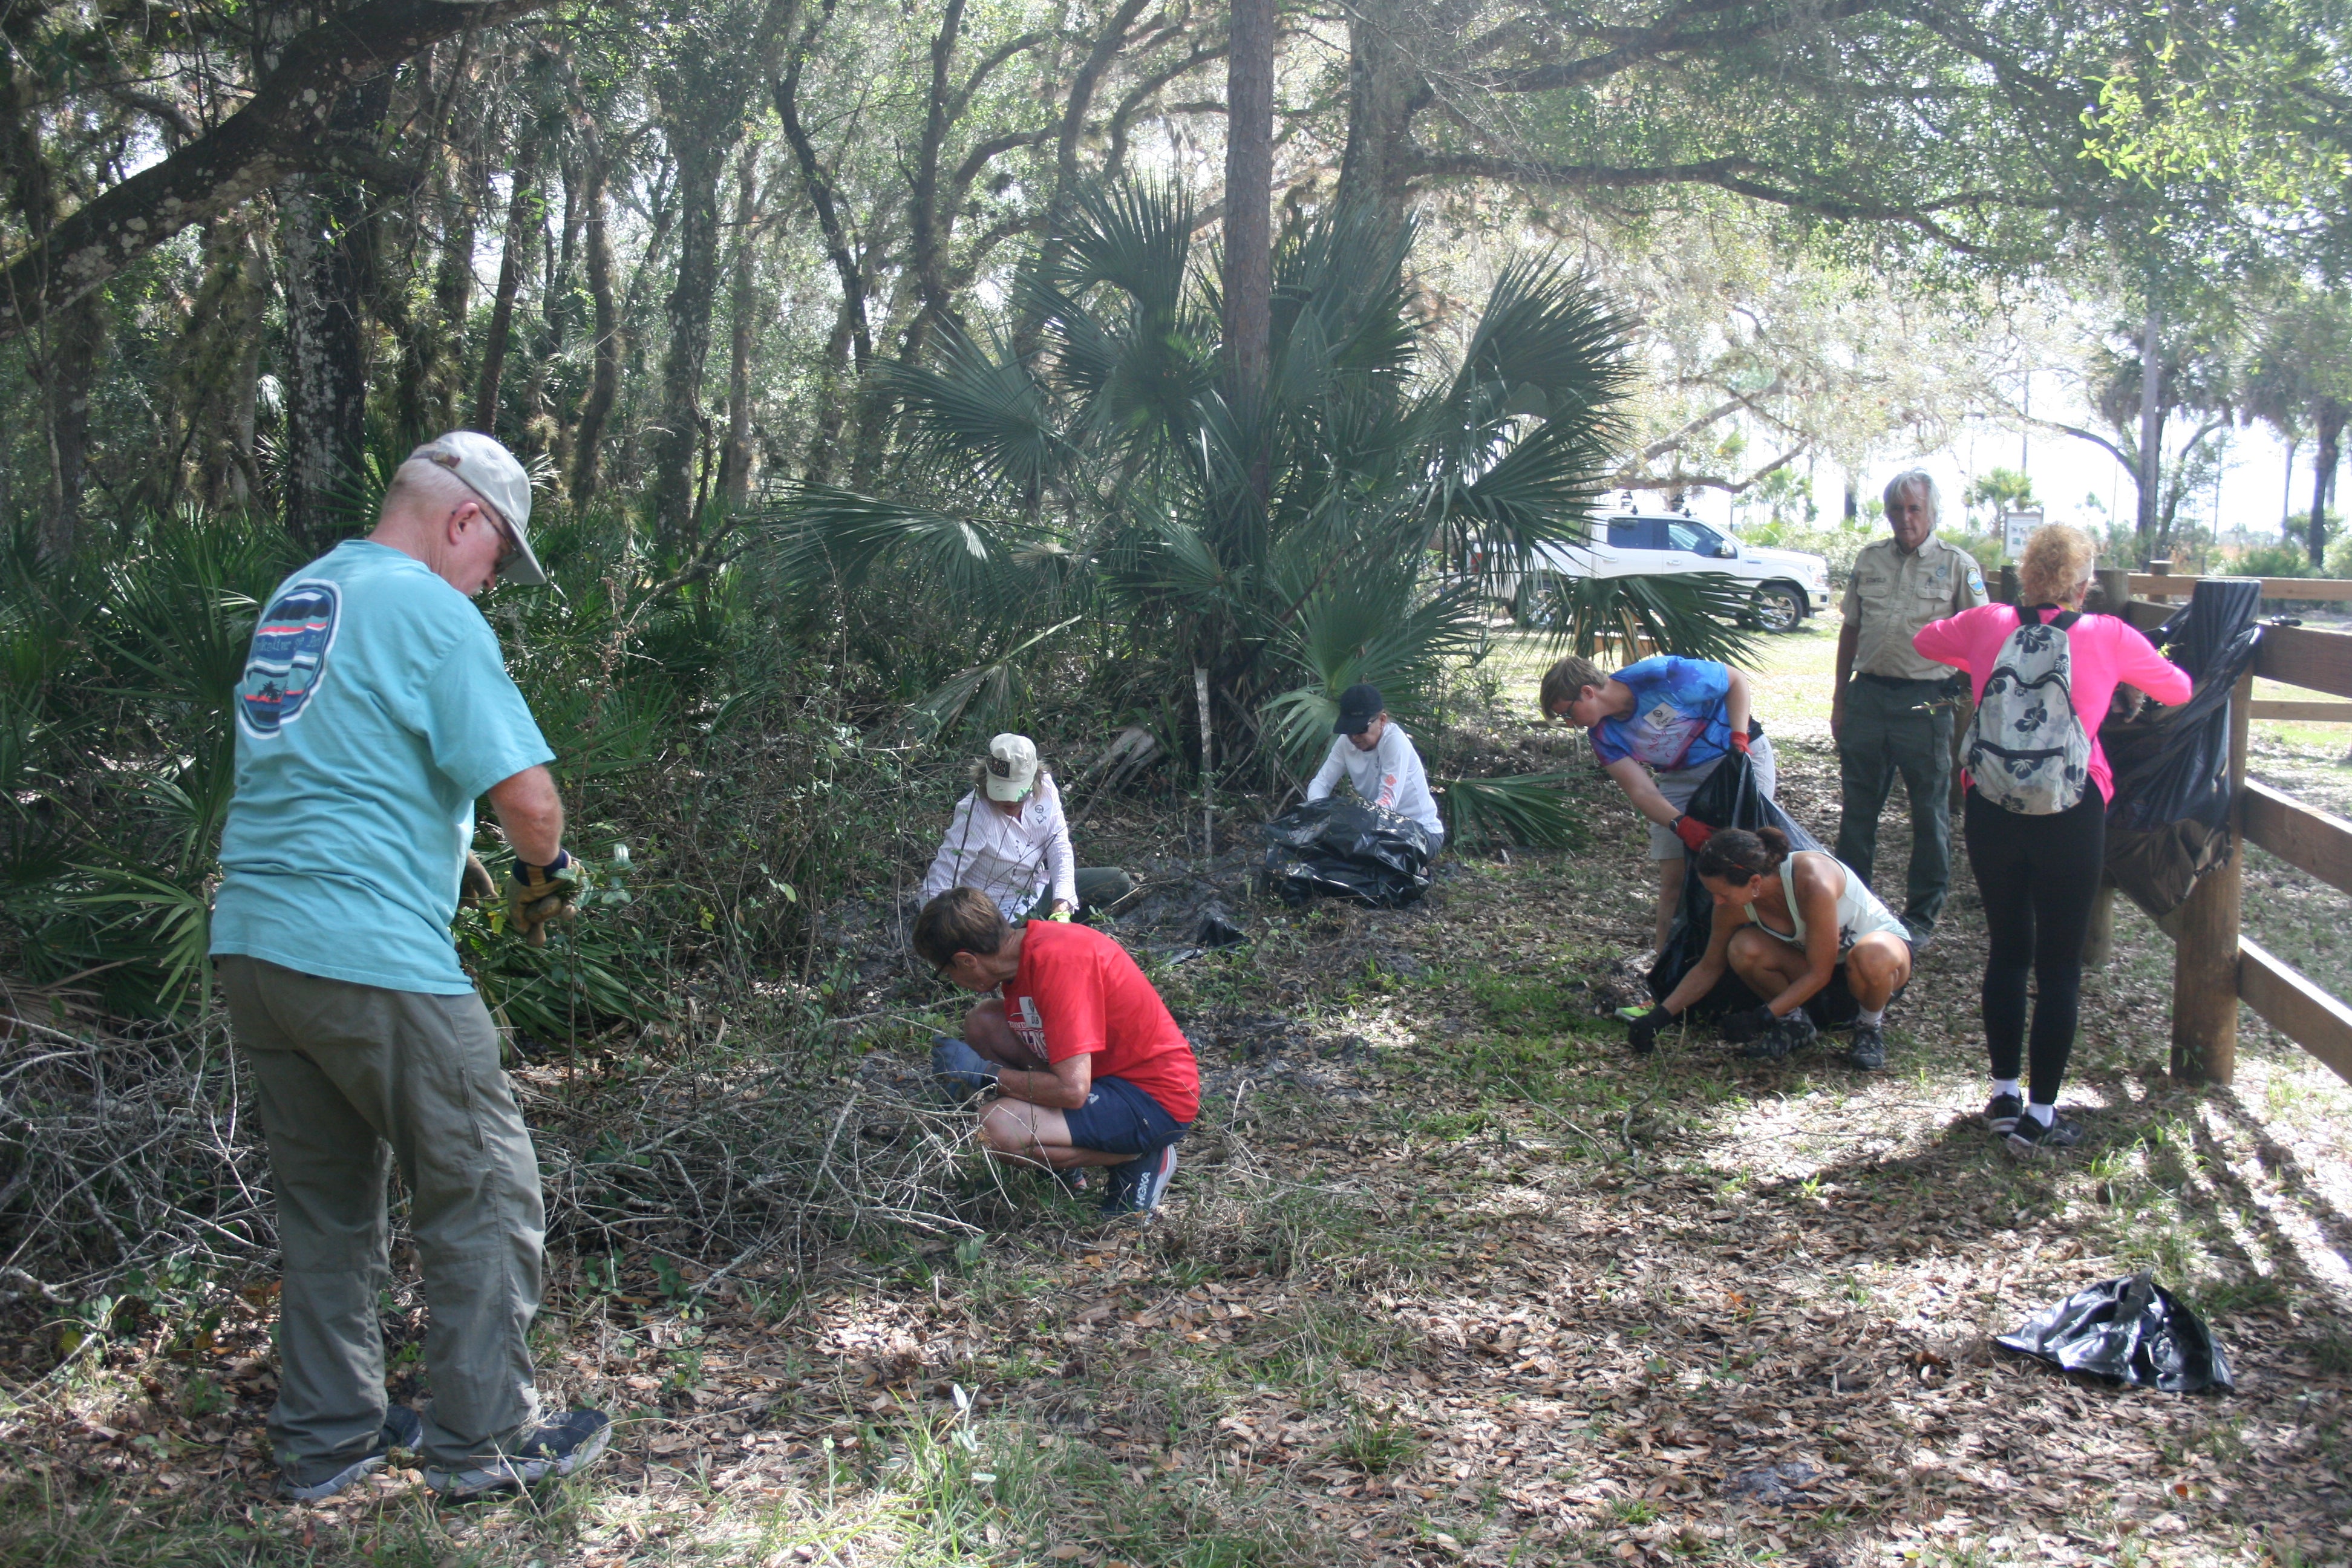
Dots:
pixel 374 709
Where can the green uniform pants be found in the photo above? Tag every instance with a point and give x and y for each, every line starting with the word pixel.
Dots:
pixel 1898 726
pixel 350 1079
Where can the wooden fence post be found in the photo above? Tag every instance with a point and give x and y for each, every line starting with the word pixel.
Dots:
pixel 2205 947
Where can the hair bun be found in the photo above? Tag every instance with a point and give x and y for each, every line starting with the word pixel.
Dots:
pixel 1773 839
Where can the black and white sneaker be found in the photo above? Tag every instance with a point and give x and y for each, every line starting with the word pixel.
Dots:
pixel 2030 1140
pixel 2002 1113
pixel 1869 1050
pixel 1138 1187
pixel 403 1428
pixel 1793 1033
pixel 548 1451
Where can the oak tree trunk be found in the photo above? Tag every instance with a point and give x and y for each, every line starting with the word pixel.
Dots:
pixel 522 240
pixel 326 350
pixel 604 380
pixel 2330 420
pixel 743 307
pixel 677 432
pixel 1384 91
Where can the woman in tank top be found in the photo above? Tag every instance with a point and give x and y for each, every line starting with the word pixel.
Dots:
pixel 1805 933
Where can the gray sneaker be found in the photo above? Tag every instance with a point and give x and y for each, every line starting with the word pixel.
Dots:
pixel 1869 1052
pixel 403 1428
pixel 548 1451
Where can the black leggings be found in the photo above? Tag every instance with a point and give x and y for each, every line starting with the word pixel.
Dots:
pixel 2038 876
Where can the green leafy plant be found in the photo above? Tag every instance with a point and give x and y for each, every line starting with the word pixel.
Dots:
pixel 1350 527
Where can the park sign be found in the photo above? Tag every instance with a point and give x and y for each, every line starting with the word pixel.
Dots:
pixel 2016 528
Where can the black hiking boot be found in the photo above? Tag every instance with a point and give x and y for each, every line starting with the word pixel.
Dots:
pixel 1868 1053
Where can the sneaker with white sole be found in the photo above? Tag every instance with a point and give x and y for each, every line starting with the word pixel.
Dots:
pixel 403 1428
pixel 1138 1187
pixel 548 1451
pixel 2000 1113
pixel 2030 1140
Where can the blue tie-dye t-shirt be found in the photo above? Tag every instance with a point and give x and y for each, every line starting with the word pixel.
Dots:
pixel 374 709
pixel 1678 719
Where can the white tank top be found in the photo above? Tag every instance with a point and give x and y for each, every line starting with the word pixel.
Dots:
pixel 1859 913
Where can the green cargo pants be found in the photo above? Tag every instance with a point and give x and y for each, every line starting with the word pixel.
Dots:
pixel 1902 726
pixel 350 1078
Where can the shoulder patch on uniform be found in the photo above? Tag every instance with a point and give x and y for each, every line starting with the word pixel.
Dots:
pixel 1976 578
pixel 287 663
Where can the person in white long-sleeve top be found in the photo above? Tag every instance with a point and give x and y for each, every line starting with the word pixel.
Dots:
pixel 1377 757
pixel 1009 840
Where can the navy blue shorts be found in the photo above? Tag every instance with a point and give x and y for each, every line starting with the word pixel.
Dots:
pixel 1120 1119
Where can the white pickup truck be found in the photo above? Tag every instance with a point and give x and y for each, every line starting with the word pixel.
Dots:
pixel 1788 584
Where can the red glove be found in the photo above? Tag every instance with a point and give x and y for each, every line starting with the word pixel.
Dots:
pixel 1739 741
pixel 1693 832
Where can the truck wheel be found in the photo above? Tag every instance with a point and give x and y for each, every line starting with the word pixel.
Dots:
pixel 1779 609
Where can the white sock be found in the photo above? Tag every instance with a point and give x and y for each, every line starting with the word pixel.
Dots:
pixel 1870 1018
pixel 2044 1114
pixel 2008 1085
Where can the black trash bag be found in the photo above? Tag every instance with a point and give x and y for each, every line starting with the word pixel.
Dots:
pixel 1728 798
pixel 1346 849
pixel 2134 1330
pixel 2169 823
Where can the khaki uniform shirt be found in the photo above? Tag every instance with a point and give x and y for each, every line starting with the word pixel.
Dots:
pixel 1891 595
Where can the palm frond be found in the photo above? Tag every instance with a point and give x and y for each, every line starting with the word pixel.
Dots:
pixel 824 536
pixel 1546 344
pixel 978 403
pixel 1698 614
pixel 1134 236
pixel 1361 628
pixel 1533 809
pixel 983 690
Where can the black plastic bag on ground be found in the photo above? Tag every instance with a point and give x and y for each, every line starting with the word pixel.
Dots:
pixel 1346 849
pixel 1728 798
pixel 2169 823
pixel 2134 1330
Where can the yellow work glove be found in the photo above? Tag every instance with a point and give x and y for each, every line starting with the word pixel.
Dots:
pixel 539 894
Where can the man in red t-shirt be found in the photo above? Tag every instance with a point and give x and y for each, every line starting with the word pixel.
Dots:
pixel 1092 1069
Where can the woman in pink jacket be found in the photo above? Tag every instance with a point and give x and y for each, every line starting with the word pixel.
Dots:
pixel 2038 874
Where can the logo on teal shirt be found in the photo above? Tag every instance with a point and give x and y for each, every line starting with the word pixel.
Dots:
pixel 288 660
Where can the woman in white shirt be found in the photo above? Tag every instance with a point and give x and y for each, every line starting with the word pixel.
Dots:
pixel 1009 840
pixel 1378 758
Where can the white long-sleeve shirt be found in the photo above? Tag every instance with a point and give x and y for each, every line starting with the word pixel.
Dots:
pixel 1390 774
pixel 1012 860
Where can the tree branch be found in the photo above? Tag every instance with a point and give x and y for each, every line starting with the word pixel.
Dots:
pixel 254 147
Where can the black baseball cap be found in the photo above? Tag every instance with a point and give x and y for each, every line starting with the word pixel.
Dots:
pixel 1358 706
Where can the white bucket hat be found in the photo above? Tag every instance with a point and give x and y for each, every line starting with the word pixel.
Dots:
pixel 485 468
pixel 1011 767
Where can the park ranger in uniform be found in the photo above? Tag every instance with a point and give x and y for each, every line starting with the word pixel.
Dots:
pixel 1893 710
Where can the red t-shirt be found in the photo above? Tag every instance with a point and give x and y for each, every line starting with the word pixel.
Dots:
pixel 1078 993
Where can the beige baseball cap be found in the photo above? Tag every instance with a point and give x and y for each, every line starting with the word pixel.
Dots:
pixel 1011 767
pixel 485 466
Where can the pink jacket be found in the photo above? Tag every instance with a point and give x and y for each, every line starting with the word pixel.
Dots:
pixel 2105 653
